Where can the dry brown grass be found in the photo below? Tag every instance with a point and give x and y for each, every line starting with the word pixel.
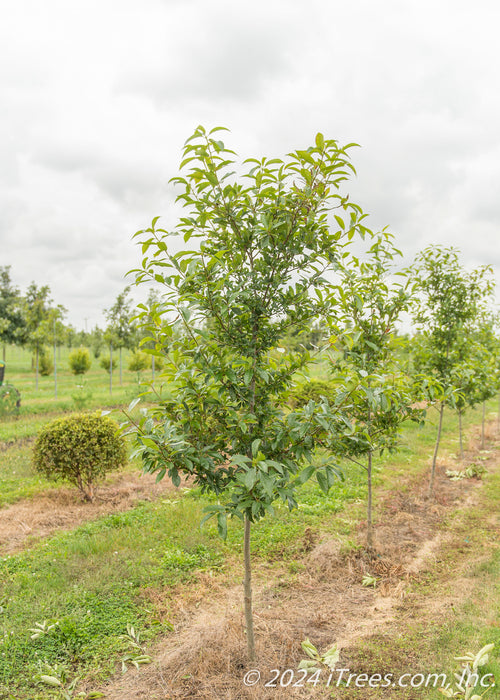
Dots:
pixel 30 520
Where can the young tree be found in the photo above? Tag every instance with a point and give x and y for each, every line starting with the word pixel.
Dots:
pixel 446 311
pixel 384 399
pixel 483 368
pixel 52 329
pixel 151 311
pixel 79 361
pixel 12 322
pixel 260 269
pixel 97 341
pixel 120 331
pixel 37 309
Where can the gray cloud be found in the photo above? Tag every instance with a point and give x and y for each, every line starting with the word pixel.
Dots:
pixel 96 100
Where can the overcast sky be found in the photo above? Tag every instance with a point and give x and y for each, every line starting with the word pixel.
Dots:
pixel 98 96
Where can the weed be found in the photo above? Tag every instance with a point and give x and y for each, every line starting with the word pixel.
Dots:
pixel 316 660
pixel 469 678
pixel 470 472
pixel 138 655
pixel 82 395
pixel 369 581
pixel 42 628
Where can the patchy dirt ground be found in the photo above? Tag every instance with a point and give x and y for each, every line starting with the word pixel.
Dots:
pixel 27 521
pixel 205 657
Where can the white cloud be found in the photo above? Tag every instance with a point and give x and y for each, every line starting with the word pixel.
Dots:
pixel 97 98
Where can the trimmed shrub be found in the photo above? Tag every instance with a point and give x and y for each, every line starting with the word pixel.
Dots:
pixel 45 364
pixel 80 449
pixel 138 361
pixel 79 361
pixel 158 362
pixel 313 390
pixel 105 363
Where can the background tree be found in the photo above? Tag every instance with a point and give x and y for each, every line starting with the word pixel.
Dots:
pixel 484 353
pixel 372 304
pixel 71 337
pixel 97 341
pixel 265 248
pixel 12 323
pixel 53 328
pixel 36 311
pixel 151 313
pixel 446 310
pixel 120 331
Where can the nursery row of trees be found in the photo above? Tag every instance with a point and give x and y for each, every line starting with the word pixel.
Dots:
pixel 275 263
pixel 33 320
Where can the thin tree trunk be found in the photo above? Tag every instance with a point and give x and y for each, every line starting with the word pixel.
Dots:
pixel 460 434
pixel 434 458
pixel 120 365
pixel 153 366
pixel 369 529
pixel 248 593
pixel 36 368
pixel 55 365
pixel 483 443
pixel 111 368
pixel 3 352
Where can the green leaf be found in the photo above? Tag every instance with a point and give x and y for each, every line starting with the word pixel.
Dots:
pixel 255 446
pixel 330 658
pixel 310 649
pixel 323 482
pixel 222 525
pixel 306 474
pixel 161 474
pixel 51 680
pixel 250 479
pixel 134 403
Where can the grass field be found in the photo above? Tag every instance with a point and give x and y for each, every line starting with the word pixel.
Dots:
pixel 67 599
pixel 91 390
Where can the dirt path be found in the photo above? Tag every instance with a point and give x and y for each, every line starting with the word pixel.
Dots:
pixel 205 658
pixel 24 523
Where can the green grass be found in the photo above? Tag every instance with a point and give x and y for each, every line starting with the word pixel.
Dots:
pixel 96 384
pixel 17 478
pixel 94 580
pixel 102 576
pixel 91 581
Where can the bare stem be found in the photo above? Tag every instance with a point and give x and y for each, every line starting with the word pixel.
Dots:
pixel 248 594
pixel 369 528
pixel 434 458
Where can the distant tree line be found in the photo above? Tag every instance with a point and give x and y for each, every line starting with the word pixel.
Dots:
pixel 33 320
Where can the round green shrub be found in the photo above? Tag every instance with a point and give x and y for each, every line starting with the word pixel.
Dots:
pixel 138 361
pixel 158 360
pixel 313 390
pixel 80 449
pixel 45 364
pixel 79 361
pixel 105 363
